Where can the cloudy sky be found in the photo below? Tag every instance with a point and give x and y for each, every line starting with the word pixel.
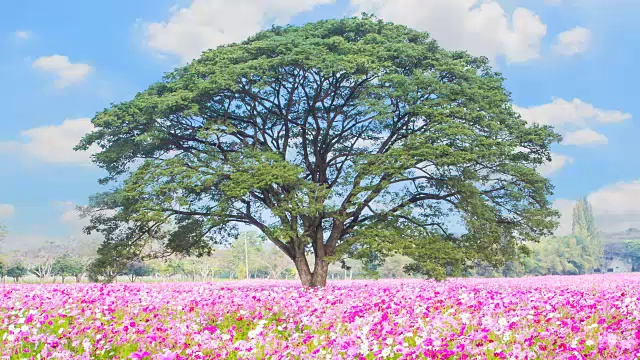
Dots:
pixel 568 63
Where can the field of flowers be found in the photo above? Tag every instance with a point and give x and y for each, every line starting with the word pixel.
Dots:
pixel 532 318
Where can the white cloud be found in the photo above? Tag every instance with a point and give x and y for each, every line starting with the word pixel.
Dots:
pixel 54 143
pixel 573 41
pixel 584 137
pixel 482 27
pixel 206 24
pixel 561 112
pixel 557 162
pixel 589 3
pixel 23 34
pixel 616 207
pixel 71 217
pixel 22 242
pixel 66 72
pixel 74 237
pixel 7 210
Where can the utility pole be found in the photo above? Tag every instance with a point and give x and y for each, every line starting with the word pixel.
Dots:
pixel 246 256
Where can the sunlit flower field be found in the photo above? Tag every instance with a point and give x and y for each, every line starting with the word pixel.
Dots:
pixel 532 318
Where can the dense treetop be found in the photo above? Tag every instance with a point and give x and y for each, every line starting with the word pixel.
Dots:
pixel 351 136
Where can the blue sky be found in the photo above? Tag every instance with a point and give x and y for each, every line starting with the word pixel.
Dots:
pixel 569 63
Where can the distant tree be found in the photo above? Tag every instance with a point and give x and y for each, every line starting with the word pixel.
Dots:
pixel 197 268
pixel 124 242
pixel 193 268
pixel 67 265
pixel 175 267
pixel 221 259
pixel 3 270
pixel 513 269
pixel 254 251
pixel 394 266
pixel 583 221
pixel 17 271
pixel 84 250
pixel 351 267
pixel 3 263
pixel 207 267
pixel 350 137
pixel 105 268
pixel 42 269
pixel 558 255
pixel 40 260
pixel 137 269
pixel 275 261
pixel 226 260
pixel 632 252
pixel 584 228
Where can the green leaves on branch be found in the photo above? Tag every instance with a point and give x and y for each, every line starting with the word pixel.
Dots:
pixel 337 137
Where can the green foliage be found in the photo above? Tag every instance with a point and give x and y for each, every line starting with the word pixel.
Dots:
pixel 350 137
pixel 632 252
pixel 254 251
pixel 3 269
pixel 584 227
pixel 559 256
pixel 174 267
pixel 136 269
pixel 17 271
pixel 67 265
pixel 583 223
pixel 579 253
pixel 109 263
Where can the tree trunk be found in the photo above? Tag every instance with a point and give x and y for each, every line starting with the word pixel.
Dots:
pixel 320 273
pixel 304 272
pixel 315 278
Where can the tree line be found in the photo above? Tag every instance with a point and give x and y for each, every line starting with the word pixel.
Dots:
pixel 77 261
pixel 584 251
pixel 581 252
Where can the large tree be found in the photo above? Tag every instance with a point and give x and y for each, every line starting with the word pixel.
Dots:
pixel 341 137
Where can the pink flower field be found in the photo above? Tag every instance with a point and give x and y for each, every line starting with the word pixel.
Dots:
pixel 531 318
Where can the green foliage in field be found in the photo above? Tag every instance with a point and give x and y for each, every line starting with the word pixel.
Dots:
pixel 17 271
pixel 351 137
pixel 67 265
pixel 632 252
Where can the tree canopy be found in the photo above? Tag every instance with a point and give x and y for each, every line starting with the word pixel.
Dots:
pixel 67 265
pixel 341 137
